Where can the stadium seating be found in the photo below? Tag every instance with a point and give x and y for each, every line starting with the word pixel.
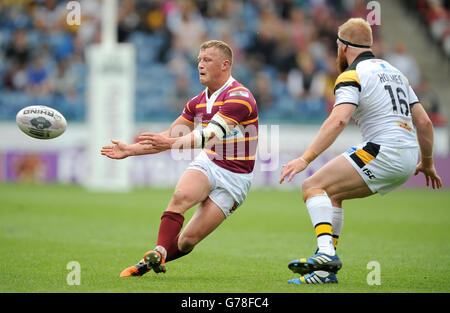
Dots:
pixel 165 60
pixel 435 16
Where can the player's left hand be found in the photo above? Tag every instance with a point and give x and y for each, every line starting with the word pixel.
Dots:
pixel 430 173
pixel 292 168
pixel 156 141
pixel 118 151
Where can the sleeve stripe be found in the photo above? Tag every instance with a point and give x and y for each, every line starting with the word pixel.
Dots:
pixel 243 158
pixel 203 105
pixel 247 104
pixel 249 121
pixel 239 87
pixel 239 140
pixel 346 84
pixel 228 118
pixel 186 119
pixel 348 76
pixel 346 102
pixel 187 106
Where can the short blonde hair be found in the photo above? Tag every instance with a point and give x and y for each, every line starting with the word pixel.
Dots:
pixel 222 46
pixel 356 30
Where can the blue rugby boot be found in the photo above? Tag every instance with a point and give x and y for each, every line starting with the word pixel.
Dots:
pixel 318 262
pixel 318 277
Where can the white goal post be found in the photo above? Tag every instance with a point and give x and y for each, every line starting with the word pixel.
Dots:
pixel 110 104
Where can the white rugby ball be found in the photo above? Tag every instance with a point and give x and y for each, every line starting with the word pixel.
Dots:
pixel 41 122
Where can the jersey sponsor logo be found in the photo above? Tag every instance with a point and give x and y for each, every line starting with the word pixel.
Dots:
pixel 234 133
pixel 404 125
pixel 239 93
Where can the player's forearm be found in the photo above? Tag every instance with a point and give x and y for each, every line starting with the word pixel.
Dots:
pixel 138 149
pixel 328 133
pixel 190 141
pixel 425 137
pixel 173 133
pixel 183 142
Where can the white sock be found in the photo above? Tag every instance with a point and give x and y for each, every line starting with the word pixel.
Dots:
pixel 338 223
pixel 162 250
pixel 321 213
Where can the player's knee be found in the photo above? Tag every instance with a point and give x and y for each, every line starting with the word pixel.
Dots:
pixel 305 186
pixel 180 201
pixel 311 188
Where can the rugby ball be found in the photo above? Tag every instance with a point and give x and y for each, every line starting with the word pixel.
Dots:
pixel 41 122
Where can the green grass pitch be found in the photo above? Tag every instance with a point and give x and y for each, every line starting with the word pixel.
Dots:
pixel 43 228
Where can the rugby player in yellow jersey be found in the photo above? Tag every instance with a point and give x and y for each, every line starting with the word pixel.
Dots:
pixel 394 127
pixel 219 178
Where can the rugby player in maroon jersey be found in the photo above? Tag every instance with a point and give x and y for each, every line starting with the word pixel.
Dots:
pixel 219 177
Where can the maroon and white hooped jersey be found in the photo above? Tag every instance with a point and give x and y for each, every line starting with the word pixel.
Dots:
pixel 236 152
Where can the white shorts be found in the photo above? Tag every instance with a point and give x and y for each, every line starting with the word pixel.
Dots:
pixel 228 189
pixel 382 168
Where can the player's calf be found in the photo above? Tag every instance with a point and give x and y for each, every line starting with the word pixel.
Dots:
pixel 187 242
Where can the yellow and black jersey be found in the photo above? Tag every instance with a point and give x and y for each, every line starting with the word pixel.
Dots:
pixel 383 98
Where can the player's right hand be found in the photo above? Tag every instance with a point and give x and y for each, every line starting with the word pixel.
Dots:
pixel 292 168
pixel 430 175
pixel 118 151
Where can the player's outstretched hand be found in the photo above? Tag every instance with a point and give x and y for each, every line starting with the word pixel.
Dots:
pixel 118 151
pixel 430 175
pixel 157 142
pixel 292 168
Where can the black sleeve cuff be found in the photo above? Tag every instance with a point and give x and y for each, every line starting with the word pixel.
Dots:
pixel 346 102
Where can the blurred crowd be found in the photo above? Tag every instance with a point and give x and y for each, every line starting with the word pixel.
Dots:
pixel 284 51
pixel 435 16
